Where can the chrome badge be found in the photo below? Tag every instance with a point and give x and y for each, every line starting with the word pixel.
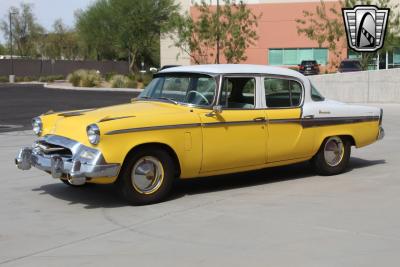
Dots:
pixel 365 27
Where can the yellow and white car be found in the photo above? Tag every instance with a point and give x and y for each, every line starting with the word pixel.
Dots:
pixel 197 121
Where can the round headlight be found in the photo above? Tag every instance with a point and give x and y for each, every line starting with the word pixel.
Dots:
pixel 93 133
pixel 37 125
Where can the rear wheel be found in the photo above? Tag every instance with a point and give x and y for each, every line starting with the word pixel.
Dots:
pixel 146 177
pixel 333 156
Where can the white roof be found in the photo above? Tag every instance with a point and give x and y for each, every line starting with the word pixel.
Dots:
pixel 237 69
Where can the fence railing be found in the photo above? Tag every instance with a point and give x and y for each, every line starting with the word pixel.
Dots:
pixel 33 67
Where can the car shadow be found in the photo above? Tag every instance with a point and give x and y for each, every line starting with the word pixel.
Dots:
pixel 105 196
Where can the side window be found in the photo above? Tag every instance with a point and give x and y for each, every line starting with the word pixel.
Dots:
pixel 282 92
pixel 238 93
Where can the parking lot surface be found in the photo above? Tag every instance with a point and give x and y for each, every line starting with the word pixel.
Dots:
pixel 285 216
pixel 19 103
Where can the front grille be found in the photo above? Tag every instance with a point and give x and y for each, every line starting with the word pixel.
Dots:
pixel 51 149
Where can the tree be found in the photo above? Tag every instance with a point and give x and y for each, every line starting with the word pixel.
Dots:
pixel 232 26
pixel 61 43
pixel 2 50
pixel 325 26
pixel 123 28
pixel 96 27
pixel 25 30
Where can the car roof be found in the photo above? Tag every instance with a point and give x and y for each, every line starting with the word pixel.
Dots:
pixel 350 60
pixel 235 69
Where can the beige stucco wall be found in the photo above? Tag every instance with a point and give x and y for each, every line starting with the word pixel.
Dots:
pixel 169 54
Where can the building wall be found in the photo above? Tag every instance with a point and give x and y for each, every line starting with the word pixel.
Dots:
pixel 169 54
pixel 277 28
pixel 374 86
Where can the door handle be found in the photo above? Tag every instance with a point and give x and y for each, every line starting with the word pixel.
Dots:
pixel 259 119
pixel 309 117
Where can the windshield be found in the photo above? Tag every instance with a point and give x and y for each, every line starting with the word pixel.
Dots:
pixel 196 89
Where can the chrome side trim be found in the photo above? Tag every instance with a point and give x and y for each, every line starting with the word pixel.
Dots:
pixel 230 123
pixel 154 128
pixel 115 118
pixel 306 123
pixel 314 122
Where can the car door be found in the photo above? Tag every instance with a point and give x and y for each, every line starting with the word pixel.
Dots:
pixel 235 137
pixel 286 137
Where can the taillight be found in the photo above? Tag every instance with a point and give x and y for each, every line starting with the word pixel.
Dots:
pixel 302 67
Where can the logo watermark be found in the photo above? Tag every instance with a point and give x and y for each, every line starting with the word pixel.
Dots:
pixel 366 27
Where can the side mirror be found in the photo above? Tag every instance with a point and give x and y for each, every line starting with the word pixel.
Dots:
pixel 153 70
pixel 217 109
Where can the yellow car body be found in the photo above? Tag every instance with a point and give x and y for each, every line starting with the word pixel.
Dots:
pixel 206 141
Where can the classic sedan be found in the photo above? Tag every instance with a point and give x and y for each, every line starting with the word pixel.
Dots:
pixel 202 120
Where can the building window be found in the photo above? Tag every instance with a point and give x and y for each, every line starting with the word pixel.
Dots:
pixel 294 56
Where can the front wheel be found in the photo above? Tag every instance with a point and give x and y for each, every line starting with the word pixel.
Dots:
pixel 333 156
pixel 146 177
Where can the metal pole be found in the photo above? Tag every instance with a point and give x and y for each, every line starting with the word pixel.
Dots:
pixel 11 47
pixel 218 32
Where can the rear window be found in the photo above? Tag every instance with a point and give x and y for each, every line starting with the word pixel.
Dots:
pixel 308 62
pixel 350 64
pixel 315 95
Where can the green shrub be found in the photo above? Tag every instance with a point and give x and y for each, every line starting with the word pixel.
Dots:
pixel 51 78
pixel 121 81
pixel 147 79
pixel 109 75
pixel 91 79
pixel 131 84
pixel 4 79
pixel 75 77
pixel 85 78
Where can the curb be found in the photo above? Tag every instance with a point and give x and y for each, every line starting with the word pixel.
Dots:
pixel 63 87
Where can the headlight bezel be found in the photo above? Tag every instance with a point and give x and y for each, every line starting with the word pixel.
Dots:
pixel 93 133
pixel 37 126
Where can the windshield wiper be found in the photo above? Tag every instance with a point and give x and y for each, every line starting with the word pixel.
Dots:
pixel 160 98
pixel 169 99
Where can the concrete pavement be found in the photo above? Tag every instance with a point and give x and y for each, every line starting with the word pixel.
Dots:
pixel 19 103
pixel 276 217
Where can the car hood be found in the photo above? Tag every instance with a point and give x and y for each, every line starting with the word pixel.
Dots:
pixel 72 124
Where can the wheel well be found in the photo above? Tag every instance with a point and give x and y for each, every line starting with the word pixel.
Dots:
pixel 349 138
pixel 162 146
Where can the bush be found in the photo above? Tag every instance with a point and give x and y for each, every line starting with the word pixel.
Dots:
pixel 75 77
pixel 91 79
pixel 121 81
pixel 85 78
pixel 147 79
pixel 131 84
pixel 109 75
pixel 4 79
pixel 51 78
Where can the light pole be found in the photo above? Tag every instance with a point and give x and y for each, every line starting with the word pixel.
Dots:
pixel 12 76
pixel 218 32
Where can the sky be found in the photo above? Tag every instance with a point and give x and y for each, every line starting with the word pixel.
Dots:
pixel 46 11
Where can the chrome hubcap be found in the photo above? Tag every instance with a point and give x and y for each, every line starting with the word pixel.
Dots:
pixel 147 175
pixel 333 151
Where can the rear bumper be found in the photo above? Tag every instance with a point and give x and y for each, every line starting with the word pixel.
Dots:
pixel 84 163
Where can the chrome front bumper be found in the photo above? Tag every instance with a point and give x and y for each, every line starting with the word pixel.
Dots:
pixel 80 164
